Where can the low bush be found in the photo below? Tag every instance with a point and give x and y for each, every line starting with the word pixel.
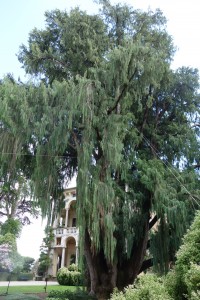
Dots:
pixel 69 295
pixel 67 277
pixel 25 276
pixel 147 287
pixel 73 268
pixel 192 280
pixel 172 284
pixel 5 276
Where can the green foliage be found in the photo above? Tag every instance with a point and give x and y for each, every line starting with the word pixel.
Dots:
pixel 44 262
pixel 22 276
pixel 173 286
pixel 9 239
pixel 22 297
pixel 190 250
pixel 44 259
pixel 185 280
pixel 15 276
pixel 188 257
pixel 31 289
pixel 192 280
pixel 9 258
pixel 76 295
pixel 73 267
pixel 12 226
pixel 15 196
pixel 69 276
pixel 5 276
pixel 28 263
pixel 108 107
pixel 147 287
pixel 70 44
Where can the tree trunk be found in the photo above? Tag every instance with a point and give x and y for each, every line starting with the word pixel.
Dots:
pixel 104 276
pixel 90 264
pixel 131 267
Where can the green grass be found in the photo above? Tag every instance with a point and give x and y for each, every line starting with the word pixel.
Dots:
pixel 34 289
pixel 20 297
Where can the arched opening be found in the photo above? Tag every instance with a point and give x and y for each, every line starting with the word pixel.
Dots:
pixel 72 214
pixel 70 254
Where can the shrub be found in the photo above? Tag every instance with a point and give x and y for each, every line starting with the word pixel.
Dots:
pixel 68 295
pixel 5 276
pixel 147 287
pixel 185 282
pixel 73 267
pixel 67 277
pixel 192 281
pixel 25 276
pixel 172 284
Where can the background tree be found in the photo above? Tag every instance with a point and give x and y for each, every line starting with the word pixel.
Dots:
pixel 12 226
pixel 44 259
pixel 110 108
pixel 11 260
pixel 28 263
pixel 8 247
pixel 15 199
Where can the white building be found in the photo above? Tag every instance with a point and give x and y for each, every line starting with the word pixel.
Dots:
pixel 64 250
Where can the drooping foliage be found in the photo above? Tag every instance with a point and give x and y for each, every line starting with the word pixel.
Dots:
pixel 107 106
pixel 15 199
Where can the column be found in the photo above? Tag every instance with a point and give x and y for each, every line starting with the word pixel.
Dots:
pixel 55 264
pixel 76 255
pixel 56 221
pixel 66 218
pixel 63 258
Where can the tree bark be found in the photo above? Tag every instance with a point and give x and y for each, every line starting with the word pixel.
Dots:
pixel 104 276
pixel 90 264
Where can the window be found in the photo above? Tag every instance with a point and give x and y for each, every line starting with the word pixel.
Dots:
pixel 74 222
pixel 58 241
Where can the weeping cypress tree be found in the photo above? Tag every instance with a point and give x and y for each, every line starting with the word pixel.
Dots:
pixel 109 107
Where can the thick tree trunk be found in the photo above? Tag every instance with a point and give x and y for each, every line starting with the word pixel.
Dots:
pixel 90 264
pixel 104 277
pixel 130 268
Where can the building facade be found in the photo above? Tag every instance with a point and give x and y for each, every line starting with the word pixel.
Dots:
pixel 64 249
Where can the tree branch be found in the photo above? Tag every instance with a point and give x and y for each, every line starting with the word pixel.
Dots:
pixel 196 166
pixel 195 125
pixel 153 222
pixel 146 265
pixel 118 99
pixel 2 213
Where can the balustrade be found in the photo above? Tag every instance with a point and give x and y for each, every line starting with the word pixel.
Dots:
pixel 71 230
pixel 68 230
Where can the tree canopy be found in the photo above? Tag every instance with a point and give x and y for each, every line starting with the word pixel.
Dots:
pixel 106 105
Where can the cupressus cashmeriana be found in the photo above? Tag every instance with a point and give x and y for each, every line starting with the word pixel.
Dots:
pixel 107 105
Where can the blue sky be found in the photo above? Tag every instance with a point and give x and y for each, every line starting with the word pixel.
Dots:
pixel 18 18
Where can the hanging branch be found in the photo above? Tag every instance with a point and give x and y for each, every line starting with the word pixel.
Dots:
pixel 122 93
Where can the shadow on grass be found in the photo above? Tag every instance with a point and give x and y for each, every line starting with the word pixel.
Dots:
pixel 19 297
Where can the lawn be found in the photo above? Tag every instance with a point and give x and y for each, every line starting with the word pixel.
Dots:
pixel 17 292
